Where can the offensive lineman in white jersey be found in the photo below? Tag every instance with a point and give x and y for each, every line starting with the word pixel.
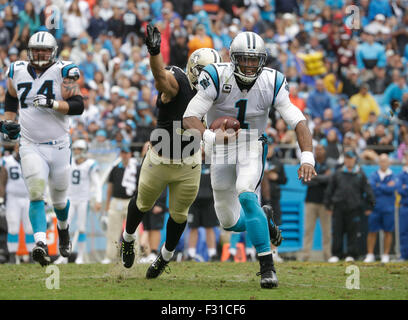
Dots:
pixel 47 93
pixel 84 180
pixel 245 89
pixel 14 191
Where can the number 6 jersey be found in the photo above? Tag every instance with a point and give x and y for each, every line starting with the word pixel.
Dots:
pixel 15 182
pixel 40 124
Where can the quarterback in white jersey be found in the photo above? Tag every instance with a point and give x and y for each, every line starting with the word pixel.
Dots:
pixel 246 90
pixel 15 194
pixel 85 183
pixel 44 92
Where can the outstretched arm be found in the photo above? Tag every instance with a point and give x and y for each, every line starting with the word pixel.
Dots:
pixel 294 117
pixel 164 80
pixel 304 137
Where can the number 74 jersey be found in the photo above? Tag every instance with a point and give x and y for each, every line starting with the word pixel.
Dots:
pixel 40 124
pixel 251 107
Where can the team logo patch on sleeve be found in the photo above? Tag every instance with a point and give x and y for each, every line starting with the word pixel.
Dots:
pixel 226 88
pixel 205 83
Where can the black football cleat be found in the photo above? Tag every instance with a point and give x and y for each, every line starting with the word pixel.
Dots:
pixel 274 232
pixel 127 252
pixel 157 267
pixel 64 242
pixel 40 254
pixel 269 280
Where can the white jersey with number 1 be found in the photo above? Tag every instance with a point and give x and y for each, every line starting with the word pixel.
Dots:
pixel 217 84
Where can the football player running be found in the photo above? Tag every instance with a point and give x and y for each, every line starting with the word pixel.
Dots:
pixel 44 92
pixel 14 192
pixel 85 183
pixel 245 89
pixel 164 164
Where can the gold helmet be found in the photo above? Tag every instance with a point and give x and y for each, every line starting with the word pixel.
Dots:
pixel 197 61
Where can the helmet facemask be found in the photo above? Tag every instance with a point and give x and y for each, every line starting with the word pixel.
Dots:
pixel 42 57
pixel 195 72
pixel 248 66
pixel 79 153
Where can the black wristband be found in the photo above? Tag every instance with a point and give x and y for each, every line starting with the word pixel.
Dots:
pixel 76 105
pixel 11 103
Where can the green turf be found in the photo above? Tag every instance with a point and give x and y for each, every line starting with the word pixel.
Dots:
pixel 205 281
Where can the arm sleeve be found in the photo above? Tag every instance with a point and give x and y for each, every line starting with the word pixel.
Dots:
pixel 198 106
pixel 290 113
pixel 11 103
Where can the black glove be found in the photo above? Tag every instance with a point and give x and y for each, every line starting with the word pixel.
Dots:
pixel 10 128
pixel 276 236
pixel 153 40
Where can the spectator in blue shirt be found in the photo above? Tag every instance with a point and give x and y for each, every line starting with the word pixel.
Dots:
pixel 402 189
pixel 335 4
pixel 379 6
pixel 318 100
pixel 383 183
pixel 88 67
pixel 96 24
pixel 395 91
pixel 370 53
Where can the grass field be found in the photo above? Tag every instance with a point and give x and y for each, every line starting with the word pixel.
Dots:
pixel 205 281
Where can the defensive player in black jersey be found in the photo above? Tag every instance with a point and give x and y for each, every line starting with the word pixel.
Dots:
pixel 172 160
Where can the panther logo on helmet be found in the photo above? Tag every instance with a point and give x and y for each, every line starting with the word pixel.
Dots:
pixel 42 49
pixel 248 55
pixel 197 61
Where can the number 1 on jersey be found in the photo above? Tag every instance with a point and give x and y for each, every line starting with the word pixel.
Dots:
pixel 241 105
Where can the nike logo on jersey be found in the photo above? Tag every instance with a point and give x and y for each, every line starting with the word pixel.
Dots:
pixel 194 166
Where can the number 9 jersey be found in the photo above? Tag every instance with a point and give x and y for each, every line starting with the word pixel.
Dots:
pixel 41 124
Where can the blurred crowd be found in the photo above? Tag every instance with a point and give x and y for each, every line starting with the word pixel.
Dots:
pixel 345 62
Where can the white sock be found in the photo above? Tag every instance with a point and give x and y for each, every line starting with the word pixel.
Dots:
pixel 81 248
pixel 167 255
pixel 212 252
pixel 250 251
pixel 30 246
pixel 40 236
pixel 128 237
pixel 12 246
pixel 62 225
pixel 191 252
